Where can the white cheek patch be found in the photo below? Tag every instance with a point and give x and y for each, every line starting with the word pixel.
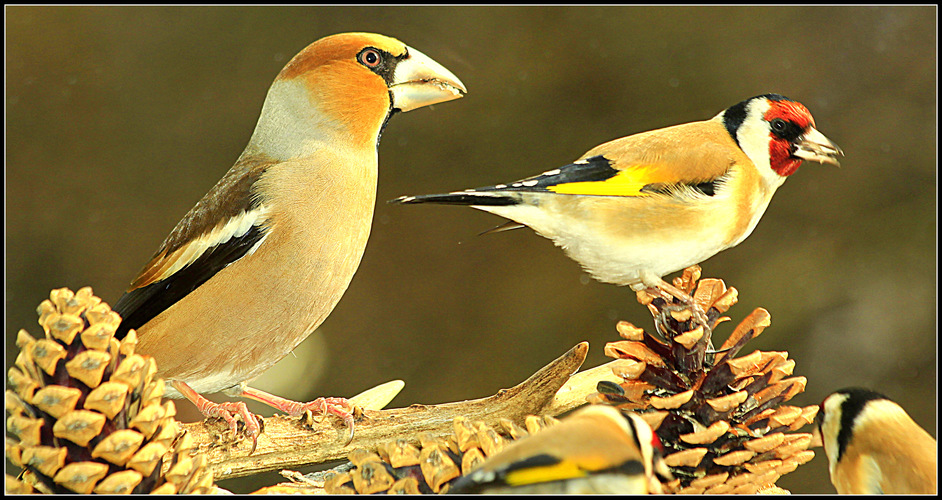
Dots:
pixel 753 135
pixel 831 427
pixel 289 121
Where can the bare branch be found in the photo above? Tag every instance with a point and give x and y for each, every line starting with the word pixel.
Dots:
pixel 286 442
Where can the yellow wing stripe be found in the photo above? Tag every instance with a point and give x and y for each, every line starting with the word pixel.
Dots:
pixel 628 182
pixel 555 472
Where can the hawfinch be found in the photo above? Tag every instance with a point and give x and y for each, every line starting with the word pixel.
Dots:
pixel 637 208
pixel 597 449
pixel 873 446
pixel 263 258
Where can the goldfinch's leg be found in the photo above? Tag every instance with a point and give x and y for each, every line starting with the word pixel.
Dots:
pixel 225 411
pixel 669 291
pixel 339 407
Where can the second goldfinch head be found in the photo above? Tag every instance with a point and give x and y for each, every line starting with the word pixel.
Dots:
pixel 873 445
pixel 596 449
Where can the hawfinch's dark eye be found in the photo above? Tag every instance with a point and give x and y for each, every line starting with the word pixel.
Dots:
pixel 779 125
pixel 370 57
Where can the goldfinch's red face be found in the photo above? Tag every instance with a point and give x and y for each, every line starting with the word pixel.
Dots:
pixel 793 138
pixel 775 129
pixel 787 121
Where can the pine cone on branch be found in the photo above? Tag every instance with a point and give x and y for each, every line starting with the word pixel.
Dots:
pixel 85 411
pixel 430 467
pixel 721 418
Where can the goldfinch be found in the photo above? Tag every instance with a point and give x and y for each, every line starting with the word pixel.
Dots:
pixel 873 446
pixel 597 449
pixel 637 208
pixel 263 258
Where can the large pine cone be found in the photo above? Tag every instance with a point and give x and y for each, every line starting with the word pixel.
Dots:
pixel 85 412
pixel 720 417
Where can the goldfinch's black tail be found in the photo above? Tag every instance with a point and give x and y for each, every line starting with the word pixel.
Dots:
pixel 481 198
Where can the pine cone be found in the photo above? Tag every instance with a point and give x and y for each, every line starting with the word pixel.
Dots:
pixel 719 417
pixel 85 411
pixel 401 467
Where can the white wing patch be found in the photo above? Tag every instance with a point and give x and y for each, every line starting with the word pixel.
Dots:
pixel 234 228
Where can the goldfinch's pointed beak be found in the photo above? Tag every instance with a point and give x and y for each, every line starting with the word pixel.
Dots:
pixel 814 146
pixel 816 439
pixel 419 81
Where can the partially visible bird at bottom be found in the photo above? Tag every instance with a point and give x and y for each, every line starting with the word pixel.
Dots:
pixel 266 254
pixel 873 446
pixel 596 449
pixel 637 208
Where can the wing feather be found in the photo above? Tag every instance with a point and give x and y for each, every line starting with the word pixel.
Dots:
pixel 696 155
pixel 683 161
pixel 221 228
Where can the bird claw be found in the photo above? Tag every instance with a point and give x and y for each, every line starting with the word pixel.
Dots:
pixel 669 293
pixel 228 411
pixel 339 407
pixel 700 316
pixel 676 297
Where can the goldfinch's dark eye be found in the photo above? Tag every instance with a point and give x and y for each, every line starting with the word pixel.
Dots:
pixel 370 57
pixel 784 129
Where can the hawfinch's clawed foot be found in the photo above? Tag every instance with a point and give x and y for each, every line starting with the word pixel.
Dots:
pixel 226 411
pixel 339 407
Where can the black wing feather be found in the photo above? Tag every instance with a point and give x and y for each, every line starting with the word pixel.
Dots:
pixel 594 169
pixel 140 305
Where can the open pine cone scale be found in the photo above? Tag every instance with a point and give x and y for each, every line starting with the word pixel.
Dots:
pixel 85 412
pixel 720 417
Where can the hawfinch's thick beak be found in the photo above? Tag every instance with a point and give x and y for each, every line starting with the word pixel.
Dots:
pixel 420 81
pixel 814 146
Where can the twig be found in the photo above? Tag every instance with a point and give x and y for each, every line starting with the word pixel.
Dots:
pixel 287 443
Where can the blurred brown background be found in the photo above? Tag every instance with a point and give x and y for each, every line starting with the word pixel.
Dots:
pixel 120 119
